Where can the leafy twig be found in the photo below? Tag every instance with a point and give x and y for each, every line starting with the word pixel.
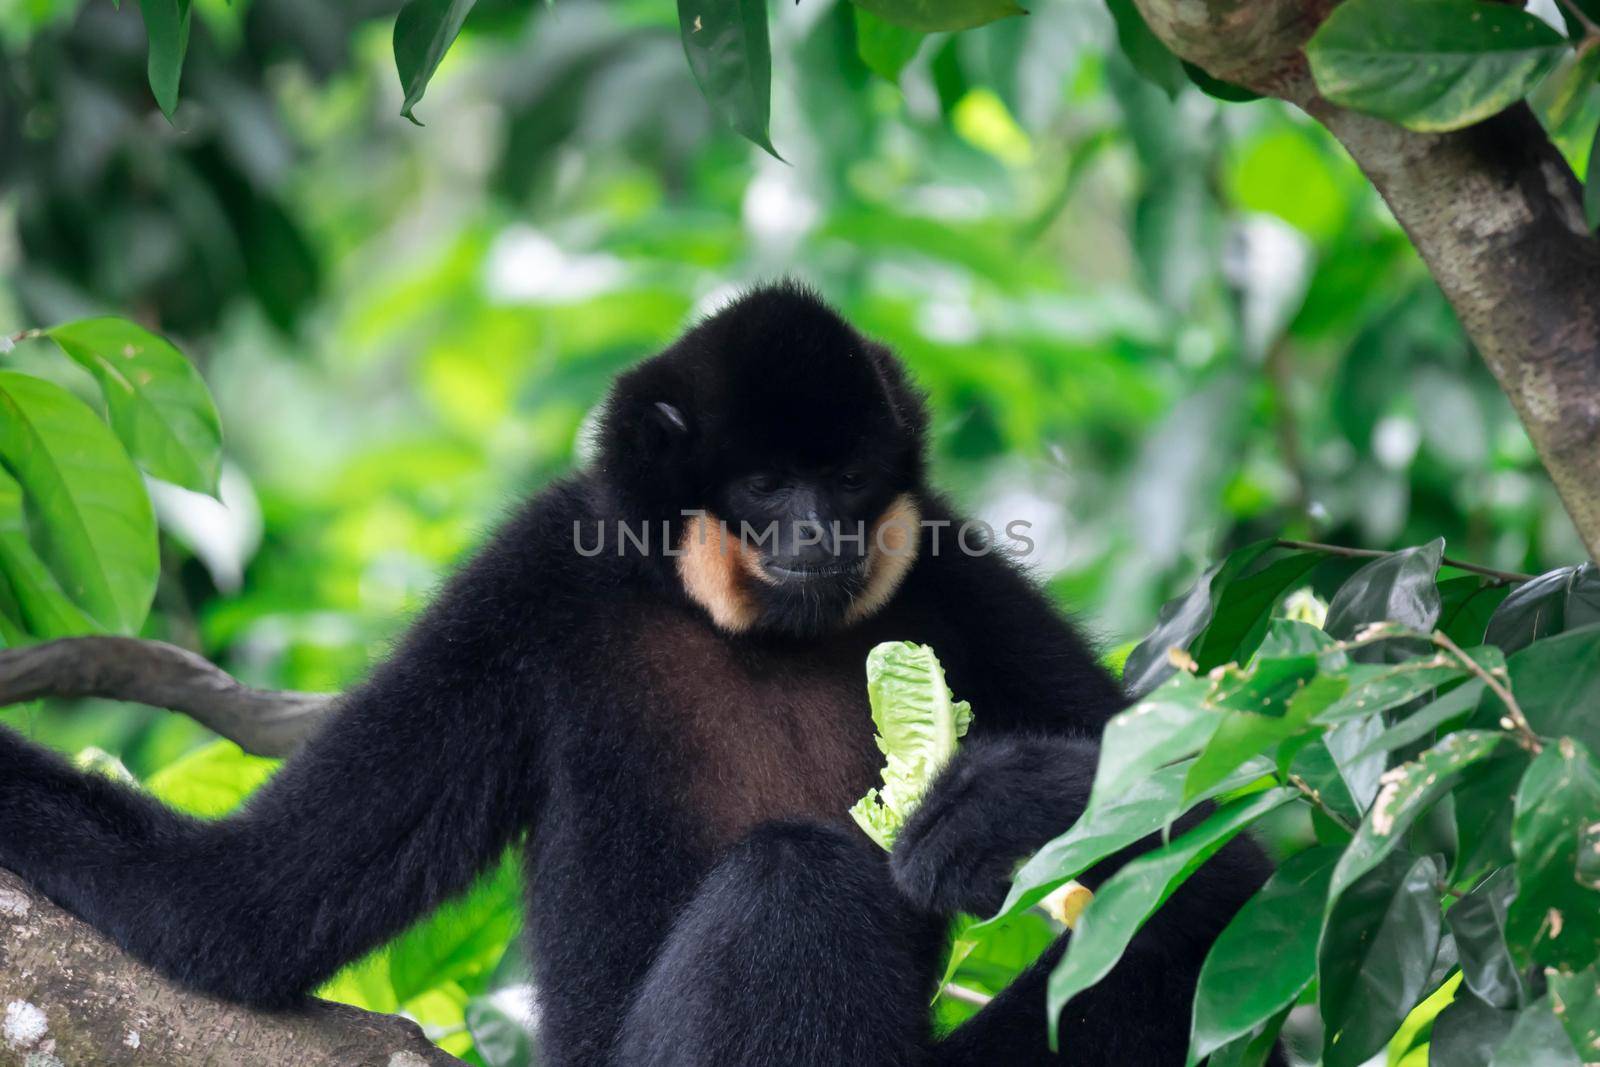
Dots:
pixel 1504 577
pixel 1315 797
pixel 1514 716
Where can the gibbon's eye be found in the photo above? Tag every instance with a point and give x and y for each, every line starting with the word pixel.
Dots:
pixel 853 480
pixel 763 483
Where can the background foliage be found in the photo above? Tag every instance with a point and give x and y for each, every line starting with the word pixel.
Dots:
pixel 1160 327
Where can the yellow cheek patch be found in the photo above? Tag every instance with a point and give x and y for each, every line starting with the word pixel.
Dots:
pixel 892 545
pixel 716 571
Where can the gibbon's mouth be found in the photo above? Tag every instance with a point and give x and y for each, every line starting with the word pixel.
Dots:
pixel 832 570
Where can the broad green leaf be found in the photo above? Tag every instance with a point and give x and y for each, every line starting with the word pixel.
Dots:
pixel 726 42
pixel 1407 790
pixel 1555 918
pixel 884 47
pixel 1468 1031
pixel 1243 735
pixel 1399 587
pixel 1182 619
pixel 1575 999
pixel 1315 765
pixel 1467 604
pixel 1484 806
pixel 1542 607
pixel 87 507
pixel 1253 1049
pixel 919 723
pixel 1431 65
pixel 1376 954
pixel 1241 986
pixel 32 598
pixel 1286 638
pixel 1144 49
pixel 1377 688
pixel 1171 723
pixel 157 402
pixel 1457 703
pixel 166 23
pixel 1244 610
pixel 1478 921
pixel 934 16
pixel 1536 1040
pixel 1556 682
pixel 462 941
pixel 423 32
pixel 212 780
pixel 1126 900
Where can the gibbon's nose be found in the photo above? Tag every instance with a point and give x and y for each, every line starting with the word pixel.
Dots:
pixel 813 544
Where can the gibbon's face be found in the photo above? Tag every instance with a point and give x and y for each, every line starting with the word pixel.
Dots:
pixel 795 443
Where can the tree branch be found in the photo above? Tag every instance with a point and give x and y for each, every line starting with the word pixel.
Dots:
pixel 262 722
pixel 1494 210
pixel 70 996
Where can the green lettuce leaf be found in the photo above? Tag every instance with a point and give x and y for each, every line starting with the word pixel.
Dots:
pixel 919 723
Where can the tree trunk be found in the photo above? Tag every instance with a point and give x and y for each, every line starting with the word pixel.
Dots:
pixel 1494 210
pixel 71 998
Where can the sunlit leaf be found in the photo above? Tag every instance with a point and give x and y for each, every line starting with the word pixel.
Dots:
pixel 86 503
pixel 726 42
pixel 31 599
pixel 463 940
pixel 1240 986
pixel 1431 64
pixel 423 32
pixel 884 47
pixel 156 400
pixel 212 780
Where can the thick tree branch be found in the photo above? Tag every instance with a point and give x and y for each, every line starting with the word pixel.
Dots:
pixel 1494 210
pixel 262 722
pixel 69 996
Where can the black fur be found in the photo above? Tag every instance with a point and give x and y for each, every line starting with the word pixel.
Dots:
pixel 698 894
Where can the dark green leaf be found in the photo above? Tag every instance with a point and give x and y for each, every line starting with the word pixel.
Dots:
pixel 1555 918
pixel 1536 1040
pixel 884 47
pixel 1173 722
pixel 1244 610
pixel 1468 1031
pixel 1431 64
pixel 1181 620
pixel 1556 682
pixel 86 504
pixel 1398 588
pixel 726 42
pixel 156 400
pixel 1541 607
pixel 1483 804
pixel 934 16
pixel 1233 94
pixel 1457 703
pixel 1466 606
pixel 1591 190
pixel 1243 735
pixel 423 32
pixel 166 22
pixel 1377 951
pixel 1575 999
pixel 1132 895
pixel 1144 49
pixel 1478 922
pixel 1240 986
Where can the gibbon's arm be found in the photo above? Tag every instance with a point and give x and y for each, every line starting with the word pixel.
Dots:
pixel 417 783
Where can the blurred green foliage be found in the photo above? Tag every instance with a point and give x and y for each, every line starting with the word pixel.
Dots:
pixel 1156 326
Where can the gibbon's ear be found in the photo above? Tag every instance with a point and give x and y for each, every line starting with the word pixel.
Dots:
pixel 672 419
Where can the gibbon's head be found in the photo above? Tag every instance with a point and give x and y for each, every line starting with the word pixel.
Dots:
pixel 799 441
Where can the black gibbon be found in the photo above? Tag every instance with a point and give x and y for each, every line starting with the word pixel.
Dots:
pixel 672 717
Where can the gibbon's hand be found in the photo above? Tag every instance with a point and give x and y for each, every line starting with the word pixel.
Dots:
pixel 999 801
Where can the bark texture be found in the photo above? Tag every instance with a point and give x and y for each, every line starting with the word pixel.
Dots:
pixel 71 998
pixel 1494 210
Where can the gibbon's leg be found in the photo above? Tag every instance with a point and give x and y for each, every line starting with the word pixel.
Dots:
pixel 796 951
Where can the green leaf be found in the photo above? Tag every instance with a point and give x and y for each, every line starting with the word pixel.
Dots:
pixel 1483 806
pixel 1591 189
pixel 166 22
pixel 934 16
pixel 33 599
pixel 726 42
pixel 212 780
pixel 1375 688
pixel 1478 922
pixel 1240 985
pixel 423 32
pixel 1244 610
pixel 1575 999
pixel 86 504
pixel 1145 50
pixel 1431 65
pixel 1458 703
pixel 1468 1031
pixel 1399 587
pixel 1467 604
pixel 1555 918
pixel 1541 607
pixel 1253 1049
pixel 1408 790
pixel 919 723
pixel 1216 87
pixel 1536 1040
pixel 1132 895
pixel 462 941
pixel 1556 682
pixel 884 47
pixel 1377 952
pixel 1171 723
pixel 1182 619
pixel 1243 735
pixel 157 402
